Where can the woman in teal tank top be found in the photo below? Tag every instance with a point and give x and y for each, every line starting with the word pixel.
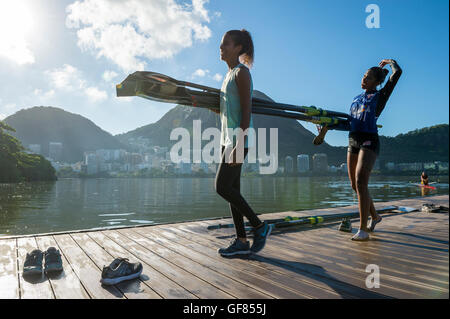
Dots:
pixel 235 114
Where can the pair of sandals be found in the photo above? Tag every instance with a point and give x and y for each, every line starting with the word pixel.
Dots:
pixel 33 262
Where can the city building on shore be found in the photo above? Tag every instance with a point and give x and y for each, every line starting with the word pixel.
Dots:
pixel 289 165
pixel 55 150
pixel 320 162
pixel 302 163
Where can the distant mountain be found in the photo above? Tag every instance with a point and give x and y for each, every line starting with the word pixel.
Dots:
pixel 42 125
pixel 293 138
pixel 422 145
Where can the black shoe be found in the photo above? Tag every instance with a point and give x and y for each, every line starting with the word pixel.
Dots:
pixel 260 237
pixel 33 263
pixel 236 248
pixel 119 270
pixel 53 262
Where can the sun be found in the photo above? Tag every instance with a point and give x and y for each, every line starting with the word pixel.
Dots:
pixel 16 26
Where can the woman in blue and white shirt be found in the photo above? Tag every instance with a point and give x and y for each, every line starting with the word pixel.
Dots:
pixel 364 144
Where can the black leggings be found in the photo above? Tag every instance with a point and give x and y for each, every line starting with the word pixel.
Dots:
pixel 227 185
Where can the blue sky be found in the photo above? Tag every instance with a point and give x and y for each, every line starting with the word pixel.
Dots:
pixel 70 54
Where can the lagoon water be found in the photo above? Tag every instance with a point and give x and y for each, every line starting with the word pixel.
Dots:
pixel 71 204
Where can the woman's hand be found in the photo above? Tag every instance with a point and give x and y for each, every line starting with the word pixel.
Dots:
pixel 384 62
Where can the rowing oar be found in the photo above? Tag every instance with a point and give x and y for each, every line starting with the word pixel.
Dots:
pixel 206 101
pixel 308 110
pixel 162 88
pixel 298 116
pixel 270 221
pixel 292 221
pixel 313 220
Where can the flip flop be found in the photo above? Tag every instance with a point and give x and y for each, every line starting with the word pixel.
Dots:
pixel 373 223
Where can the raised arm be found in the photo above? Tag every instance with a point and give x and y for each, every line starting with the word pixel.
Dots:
pixel 386 91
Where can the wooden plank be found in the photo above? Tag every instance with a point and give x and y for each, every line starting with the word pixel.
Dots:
pixel 407 256
pixel 377 247
pixel 191 283
pixel 272 265
pixel 9 280
pixel 377 250
pixel 162 285
pixel 66 284
pixel 37 287
pixel 240 284
pixel 356 261
pixel 230 284
pixel 331 264
pixel 391 249
pixel 321 267
pixel 270 274
pixel 85 269
pixel 424 273
pixel 277 275
pixel 436 241
pixel 132 289
pixel 319 264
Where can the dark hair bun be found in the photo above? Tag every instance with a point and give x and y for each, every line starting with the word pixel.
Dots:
pixel 385 71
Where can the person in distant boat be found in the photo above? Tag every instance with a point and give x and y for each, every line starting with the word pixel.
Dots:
pixel 424 178
pixel 235 112
pixel 364 145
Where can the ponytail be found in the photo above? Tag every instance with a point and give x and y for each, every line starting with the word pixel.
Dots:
pixel 243 37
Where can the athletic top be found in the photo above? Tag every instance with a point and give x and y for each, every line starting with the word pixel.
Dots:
pixel 367 106
pixel 230 110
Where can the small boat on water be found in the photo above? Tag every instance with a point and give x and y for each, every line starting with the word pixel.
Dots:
pixel 424 186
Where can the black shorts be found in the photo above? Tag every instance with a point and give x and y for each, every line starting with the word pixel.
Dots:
pixel 362 140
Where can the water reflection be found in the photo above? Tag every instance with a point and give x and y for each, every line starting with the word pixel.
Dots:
pixel 70 204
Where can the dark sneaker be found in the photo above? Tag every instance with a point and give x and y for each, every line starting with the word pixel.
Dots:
pixel 260 236
pixel 33 263
pixel 236 248
pixel 119 270
pixel 53 262
pixel 346 225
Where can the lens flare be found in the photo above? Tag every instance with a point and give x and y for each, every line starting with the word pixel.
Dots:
pixel 16 24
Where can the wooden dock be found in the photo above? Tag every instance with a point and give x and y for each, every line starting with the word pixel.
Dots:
pixel 180 260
